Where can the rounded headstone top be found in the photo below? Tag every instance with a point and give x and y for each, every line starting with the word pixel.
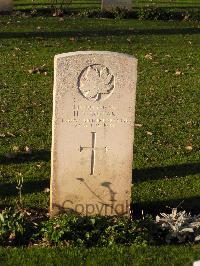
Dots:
pixel 95 53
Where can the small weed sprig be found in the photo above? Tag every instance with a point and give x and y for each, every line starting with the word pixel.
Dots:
pixel 19 187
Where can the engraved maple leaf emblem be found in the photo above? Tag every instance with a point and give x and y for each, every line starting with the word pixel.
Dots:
pixel 96 82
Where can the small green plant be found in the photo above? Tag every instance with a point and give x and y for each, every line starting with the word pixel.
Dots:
pixel 93 231
pixel 11 227
pixel 17 226
pixel 145 13
pixel 152 13
pixel 20 227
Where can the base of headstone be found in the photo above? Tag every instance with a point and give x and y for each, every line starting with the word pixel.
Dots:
pixel 6 6
pixel 196 263
pixel 111 5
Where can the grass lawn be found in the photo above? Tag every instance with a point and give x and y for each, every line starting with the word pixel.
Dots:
pixel 166 166
pixel 156 256
pixel 83 4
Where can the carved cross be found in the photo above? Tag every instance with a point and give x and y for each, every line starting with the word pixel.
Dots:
pixel 93 151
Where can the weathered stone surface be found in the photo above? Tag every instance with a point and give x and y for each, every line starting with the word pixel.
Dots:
pixel 110 5
pixel 196 263
pixel 93 126
pixel 6 5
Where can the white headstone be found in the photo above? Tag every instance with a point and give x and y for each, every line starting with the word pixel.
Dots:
pixel 93 126
pixel 196 263
pixel 111 5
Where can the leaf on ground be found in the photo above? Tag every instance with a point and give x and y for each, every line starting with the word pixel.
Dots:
pixel 38 70
pixel 149 133
pixel 149 56
pixel 189 123
pixel 10 134
pixel 72 39
pixel 178 72
pixel 189 147
pixel 7 134
pixel 138 125
pixel 28 150
pixel 46 190
pixel 15 148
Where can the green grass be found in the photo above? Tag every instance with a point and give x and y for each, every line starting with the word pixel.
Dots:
pixel 165 172
pixel 94 4
pixel 172 255
pixel 167 104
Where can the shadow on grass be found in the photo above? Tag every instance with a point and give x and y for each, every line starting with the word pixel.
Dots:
pixel 9 190
pixel 166 172
pixel 191 205
pixel 139 175
pixel 23 157
pixel 98 33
